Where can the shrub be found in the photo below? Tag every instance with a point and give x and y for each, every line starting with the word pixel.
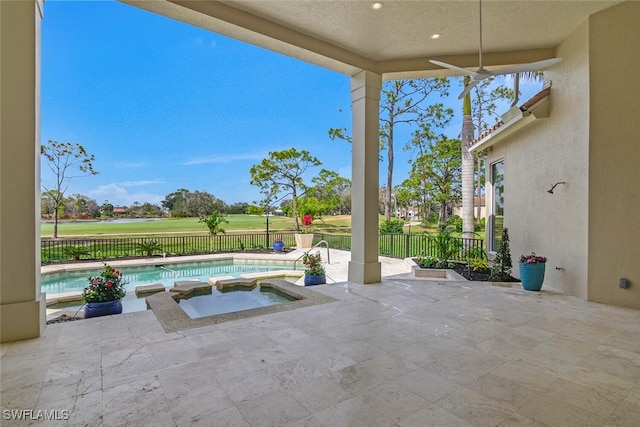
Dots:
pixel 447 247
pixel 456 222
pixel 76 252
pixel 108 286
pixel 393 226
pixel 501 269
pixel 213 223
pixel 313 264
pixel 149 247
pixel 427 261
pixel 433 262
pixel 475 252
pixel 478 264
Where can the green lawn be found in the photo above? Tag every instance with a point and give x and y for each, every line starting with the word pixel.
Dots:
pixel 188 226
pixel 173 226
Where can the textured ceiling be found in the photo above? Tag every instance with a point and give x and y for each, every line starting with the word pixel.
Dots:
pixel 349 35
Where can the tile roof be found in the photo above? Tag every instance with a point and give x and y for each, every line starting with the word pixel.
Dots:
pixel 546 90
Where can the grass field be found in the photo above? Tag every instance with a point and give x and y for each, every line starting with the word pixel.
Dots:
pixel 191 226
pixel 186 226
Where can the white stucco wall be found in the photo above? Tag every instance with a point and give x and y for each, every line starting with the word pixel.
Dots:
pixel 548 151
pixel 614 155
pixel 590 227
pixel 22 305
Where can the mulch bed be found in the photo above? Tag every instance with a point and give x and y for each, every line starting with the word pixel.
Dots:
pixel 479 275
pixel 63 318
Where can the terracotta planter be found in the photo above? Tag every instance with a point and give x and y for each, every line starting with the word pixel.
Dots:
pixel 304 240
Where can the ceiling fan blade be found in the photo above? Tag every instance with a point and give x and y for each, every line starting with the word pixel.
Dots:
pixel 468 88
pixel 524 68
pixel 455 68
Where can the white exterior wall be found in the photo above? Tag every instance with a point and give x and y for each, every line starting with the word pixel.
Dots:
pixel 22 305
pixel 614 155
pixel 549 151
pixel 590 227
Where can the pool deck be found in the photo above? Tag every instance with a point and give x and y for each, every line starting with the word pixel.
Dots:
pixel 404 352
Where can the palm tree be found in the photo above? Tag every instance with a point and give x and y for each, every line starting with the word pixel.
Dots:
pixel 467 166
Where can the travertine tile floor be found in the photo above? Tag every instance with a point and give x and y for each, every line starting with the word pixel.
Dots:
pixel 404 352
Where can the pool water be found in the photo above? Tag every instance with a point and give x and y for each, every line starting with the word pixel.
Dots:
pixel 165 274
pixel 205 304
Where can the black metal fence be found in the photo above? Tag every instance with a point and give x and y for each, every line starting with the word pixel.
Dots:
pixel 390 245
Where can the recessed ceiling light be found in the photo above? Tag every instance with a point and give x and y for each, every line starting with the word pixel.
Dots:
pixel 435 36
pixel 377 5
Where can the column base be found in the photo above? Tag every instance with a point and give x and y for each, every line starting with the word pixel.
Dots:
pixel 23 320
pixel 365 273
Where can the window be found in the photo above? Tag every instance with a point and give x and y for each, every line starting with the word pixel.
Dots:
pixel 497 214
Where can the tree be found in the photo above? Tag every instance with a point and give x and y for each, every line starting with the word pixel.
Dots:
pixel 484 105
pixel 183 203
pixel 79 205
pixel 402 102
pixel 63 158
pixel 467 166
pixel 270 195
pixel 283 172
pixel 438 173
pixel 213 223
pixel 331 191
pixel 238 208
pixel 106 209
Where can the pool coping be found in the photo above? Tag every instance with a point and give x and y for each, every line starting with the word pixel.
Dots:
pixel 240 257
pixel 286 259
pixel 173 318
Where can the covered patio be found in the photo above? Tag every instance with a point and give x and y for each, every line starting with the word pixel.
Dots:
pixel 404 352
pixel 392 350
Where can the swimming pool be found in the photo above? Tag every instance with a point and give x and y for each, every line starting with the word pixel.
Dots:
pixel 201 304
pixel 167 274
pixel 63 288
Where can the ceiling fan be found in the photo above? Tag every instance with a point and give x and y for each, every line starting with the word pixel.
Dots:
pixel 482 74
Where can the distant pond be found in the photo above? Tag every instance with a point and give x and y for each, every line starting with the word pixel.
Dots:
pixel 126 220
pixel 108 221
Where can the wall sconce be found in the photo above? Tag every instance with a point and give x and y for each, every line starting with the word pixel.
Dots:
pixel 554 186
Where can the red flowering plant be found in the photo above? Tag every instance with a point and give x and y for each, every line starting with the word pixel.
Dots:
pixel 277 240
pixel 306 222
pixel 108 286
pixel 532 259
pixel 313 264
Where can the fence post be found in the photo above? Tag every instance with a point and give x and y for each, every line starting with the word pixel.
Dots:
pixel 407 247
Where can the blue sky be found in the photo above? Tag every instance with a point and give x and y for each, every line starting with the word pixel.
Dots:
pixel 164 105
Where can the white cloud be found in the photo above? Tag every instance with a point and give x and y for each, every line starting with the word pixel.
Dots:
pixel 130 164
pixel 116 195
pixel 139 183
pixel 222 159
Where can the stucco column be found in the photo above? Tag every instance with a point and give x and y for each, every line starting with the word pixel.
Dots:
pixel 22 305
pixel 364 266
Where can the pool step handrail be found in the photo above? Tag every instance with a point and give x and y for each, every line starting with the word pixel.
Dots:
pixel 312 248
pixel 176 273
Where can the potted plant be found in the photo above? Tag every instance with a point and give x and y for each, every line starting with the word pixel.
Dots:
pixel 104 293
pixel 532 271
pixel 278 245
pixel 304 238
pixel 314 273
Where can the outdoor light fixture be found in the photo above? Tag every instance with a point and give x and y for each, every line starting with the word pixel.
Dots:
pixel 554 186
pixel 435 36
pixel 377 5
